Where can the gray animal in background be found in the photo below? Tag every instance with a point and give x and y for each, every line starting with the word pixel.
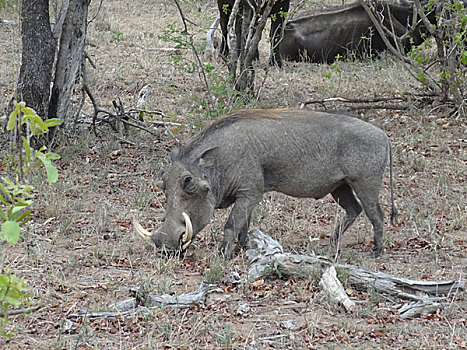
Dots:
pixel 300 153
pixel 348 30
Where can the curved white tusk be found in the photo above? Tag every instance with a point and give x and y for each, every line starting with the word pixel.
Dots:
pixel 142 232
pixel 188 235
pixel 186 245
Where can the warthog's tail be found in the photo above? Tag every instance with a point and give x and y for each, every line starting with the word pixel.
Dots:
pixel 393 208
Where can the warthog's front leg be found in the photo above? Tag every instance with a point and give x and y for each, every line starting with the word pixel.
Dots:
pixel 237 225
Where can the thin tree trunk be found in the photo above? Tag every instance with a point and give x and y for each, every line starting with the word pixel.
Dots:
pixel 69 59
pixel 37 57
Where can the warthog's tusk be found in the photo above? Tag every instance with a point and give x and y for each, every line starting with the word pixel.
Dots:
pixel 142 232
pixel 188 235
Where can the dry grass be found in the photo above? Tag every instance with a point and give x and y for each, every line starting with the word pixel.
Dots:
pixel 87 257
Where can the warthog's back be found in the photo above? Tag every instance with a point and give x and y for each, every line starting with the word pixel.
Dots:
pixel 298 152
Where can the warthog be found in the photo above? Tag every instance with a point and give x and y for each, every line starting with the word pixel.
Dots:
pixel 297 152
pixel 348 30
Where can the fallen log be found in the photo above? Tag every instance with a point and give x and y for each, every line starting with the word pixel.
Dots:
pixel 142 301
pixel 331 284
pixel 267 258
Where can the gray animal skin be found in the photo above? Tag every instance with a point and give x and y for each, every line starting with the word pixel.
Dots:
pixel 300 153
pixel 346 31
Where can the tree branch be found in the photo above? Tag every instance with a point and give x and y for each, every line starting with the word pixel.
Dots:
pixel 380 31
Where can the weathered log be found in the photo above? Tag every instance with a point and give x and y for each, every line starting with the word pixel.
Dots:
pixel 419 308
pixel 143 96
pixel 143 300
pixel 267 258
pixel 330 284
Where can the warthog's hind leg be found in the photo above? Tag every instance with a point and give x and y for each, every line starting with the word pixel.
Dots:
pixel 368 195
pixel 344 196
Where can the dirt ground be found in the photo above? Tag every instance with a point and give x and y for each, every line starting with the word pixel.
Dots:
pixel 80 252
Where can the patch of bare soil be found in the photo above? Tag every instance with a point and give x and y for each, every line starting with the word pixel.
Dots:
pixel 81 253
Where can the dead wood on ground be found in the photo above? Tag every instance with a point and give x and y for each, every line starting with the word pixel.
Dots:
pixel 142 301
pixel 121 118
pixel 267 258
pixel 395 102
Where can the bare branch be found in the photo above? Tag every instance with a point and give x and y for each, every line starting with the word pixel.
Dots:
pixel 21 311
pixel 380 31
pixel 232 38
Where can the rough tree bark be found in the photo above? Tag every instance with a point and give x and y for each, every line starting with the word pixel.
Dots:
pixel 37 58
pixel 39 54
pixel 70 55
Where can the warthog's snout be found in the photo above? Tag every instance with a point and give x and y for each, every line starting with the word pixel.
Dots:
pixel 163 239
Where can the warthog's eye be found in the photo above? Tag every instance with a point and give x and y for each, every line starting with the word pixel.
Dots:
pixel 188 184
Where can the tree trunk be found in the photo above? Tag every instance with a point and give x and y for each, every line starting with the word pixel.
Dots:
pixel 37 56
pixel 253 19
pixel 69 59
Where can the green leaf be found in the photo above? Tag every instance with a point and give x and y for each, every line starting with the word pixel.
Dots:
pixel 24 218
pixel 53 122
pixel 18 208
pixel 52 156
pixel 37 125
pixel 12 119
pixel 13 301
pixel 6 192
pixel 10 231
pixel 28 111
pixel 464 58
pixel 2 200
pixel 209 68
pixel 52 172
pixel 8 182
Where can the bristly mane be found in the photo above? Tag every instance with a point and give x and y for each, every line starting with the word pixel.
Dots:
pixel 226 121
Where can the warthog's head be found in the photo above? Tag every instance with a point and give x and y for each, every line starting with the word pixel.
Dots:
pixel 189 206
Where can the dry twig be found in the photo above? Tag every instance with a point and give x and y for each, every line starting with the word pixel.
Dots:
pixel 363 103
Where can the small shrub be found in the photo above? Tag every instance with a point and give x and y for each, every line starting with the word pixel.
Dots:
pixel 16 196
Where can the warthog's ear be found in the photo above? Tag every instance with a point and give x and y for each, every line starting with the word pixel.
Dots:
pixel 207 164
pixel 207 159
pixel 174 154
